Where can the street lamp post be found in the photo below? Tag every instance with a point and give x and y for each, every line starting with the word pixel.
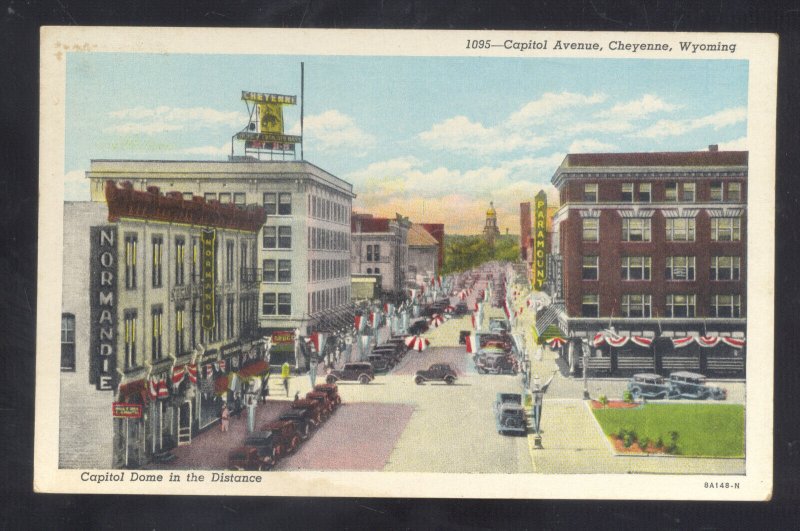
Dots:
pixel 585 349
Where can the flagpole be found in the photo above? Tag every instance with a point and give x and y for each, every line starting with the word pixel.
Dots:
pixel 302 106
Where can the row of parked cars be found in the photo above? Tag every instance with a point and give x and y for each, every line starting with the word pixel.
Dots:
pixel 496 353
pixel 263 448
pixel 682 384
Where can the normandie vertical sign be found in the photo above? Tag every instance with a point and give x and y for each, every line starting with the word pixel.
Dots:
pixel 539 240
pixel 103 307
pixel 207 264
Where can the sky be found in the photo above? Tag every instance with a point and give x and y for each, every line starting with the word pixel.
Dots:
pixel 433 138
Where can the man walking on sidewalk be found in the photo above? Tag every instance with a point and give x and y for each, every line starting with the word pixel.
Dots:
pixel 285 370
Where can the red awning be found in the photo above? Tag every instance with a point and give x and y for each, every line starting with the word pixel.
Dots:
pixel 134 392
pixel 256 368
pixel 221 385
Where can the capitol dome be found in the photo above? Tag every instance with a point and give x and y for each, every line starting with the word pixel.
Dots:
pixel 491 213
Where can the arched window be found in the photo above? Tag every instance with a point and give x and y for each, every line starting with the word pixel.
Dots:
pixel 67 342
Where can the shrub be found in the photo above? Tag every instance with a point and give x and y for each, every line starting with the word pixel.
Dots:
pixel 659 442
pixel 644 442
pixel 672 445
pixel 627 397
pixel 603 399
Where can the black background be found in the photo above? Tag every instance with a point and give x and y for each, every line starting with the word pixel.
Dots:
pixel 19 26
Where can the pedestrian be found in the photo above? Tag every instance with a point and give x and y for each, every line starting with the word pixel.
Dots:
pixel 237 407
pixel 285 372
pixel 224 416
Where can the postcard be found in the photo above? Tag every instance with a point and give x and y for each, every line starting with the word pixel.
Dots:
pixel 453 264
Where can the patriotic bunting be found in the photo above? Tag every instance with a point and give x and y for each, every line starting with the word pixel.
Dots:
pixel 177 375
pixel 191 370
pixel 470 342
pixel 163 392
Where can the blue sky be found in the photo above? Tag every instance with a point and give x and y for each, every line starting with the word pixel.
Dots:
pixel 433 138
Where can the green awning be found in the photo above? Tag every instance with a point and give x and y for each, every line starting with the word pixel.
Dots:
pixel 550 332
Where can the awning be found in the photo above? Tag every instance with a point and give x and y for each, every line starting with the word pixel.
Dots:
pixel 708 341
pixel 257 368
pixel 221 385
pixel 135 392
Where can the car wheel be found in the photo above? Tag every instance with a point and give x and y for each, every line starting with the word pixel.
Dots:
pixel 338 400
pixel 294 444
pixel 419 380
pixel 480 370
pixel 331 379
pixel 363 379
pixel 449 380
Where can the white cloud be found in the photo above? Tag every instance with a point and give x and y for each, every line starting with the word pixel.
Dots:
pixel 638 109
pixel 461 134
pixel 334 130
pixel 737 144
pixel 590 145
pixel 76 186
pixel 550 103
pixel 716 121
pixel 143 120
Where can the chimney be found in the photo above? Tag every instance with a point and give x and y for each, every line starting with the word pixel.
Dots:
pixel 713 147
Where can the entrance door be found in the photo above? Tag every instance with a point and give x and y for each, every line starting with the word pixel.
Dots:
pixel 185 424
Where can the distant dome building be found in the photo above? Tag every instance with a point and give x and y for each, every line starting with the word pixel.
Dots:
pixel 490 230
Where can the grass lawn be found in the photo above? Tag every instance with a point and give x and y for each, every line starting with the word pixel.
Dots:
pixel 704 430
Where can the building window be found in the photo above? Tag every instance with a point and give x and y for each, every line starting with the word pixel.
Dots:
pixel 590 305
pixel 377 270
pixel 735 192
pixel 726 306
pixel 679 268
pixel 636 305
pixel 725 268
pixel 726 229
pixel 229 327
pixel 644 192
pixel 636 229
pixel 270 239
pixel 590 229
pixel 239 198
pixel 130 261
pixel 369 253
pixel 369 270
pixel 270 203
pixel 158 246
pixel 188 196
pixel 180 257
pixel 67 342
pixel 130 325
pixel 195 259
pixel 284 204
pixel 636 267
pixel 285 237
pixel 377 253
pixel 284 270
pixel 180 317
pixel 156 314
pixel 284 304
pixel 682 305
pixel 671 192
pixel 688 193
pixel 590 193
pixel 269 271
pixel 680 229
pixel 268 305
pixel 229 258
pixel 590 267
pixel 210 196
pixel 627 192
pixel 225 197
pixel 715 194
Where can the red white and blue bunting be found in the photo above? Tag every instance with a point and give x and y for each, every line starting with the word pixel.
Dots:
pixel 708 341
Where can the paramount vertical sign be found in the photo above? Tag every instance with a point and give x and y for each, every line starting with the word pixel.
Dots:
pixel 103 307
pixel 207 264
pixel 539 272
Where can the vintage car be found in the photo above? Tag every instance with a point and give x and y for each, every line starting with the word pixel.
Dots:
pixel 509 415
pixel 325 402
pixel 495 361
pixel 303 419
pixel 502 341
pixel 693 385
pixel 317 409
pixel 285 436
pixel 438 372
pixel 257 453
pixel 650 386
pixel 419 327
pixel 352 372
pixel 498 326
pixel 332 391
pixel 461 309
pixel 379 363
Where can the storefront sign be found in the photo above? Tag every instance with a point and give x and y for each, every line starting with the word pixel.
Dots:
pixel 208 263
pixel 559 278
pixel 282 337
pixel 539 240
pixel 260 97
pixel 103 307
pixel 268 137
pixel 123 410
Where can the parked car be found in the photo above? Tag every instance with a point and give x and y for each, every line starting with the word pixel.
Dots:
pixel 285 436
pixel 495 361
pixel 438 372
pixel 461 309
pixel 257 453
pixel 650 386
pixel 352 372
pixel 303 419
pixel 417 328
pixel 316 409
pixel 379 363
pixel 502 341
pixel 498 326
pixel 509 415
pixel 332 391
pixel 322 398
pixel 693 385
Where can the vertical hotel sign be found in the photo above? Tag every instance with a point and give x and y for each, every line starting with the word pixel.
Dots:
pixel 103 307
pixel 208 262
pixel 539 239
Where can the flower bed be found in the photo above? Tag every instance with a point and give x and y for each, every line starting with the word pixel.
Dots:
pixel 613 404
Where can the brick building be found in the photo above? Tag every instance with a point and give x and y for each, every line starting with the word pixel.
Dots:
pixel 652 251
